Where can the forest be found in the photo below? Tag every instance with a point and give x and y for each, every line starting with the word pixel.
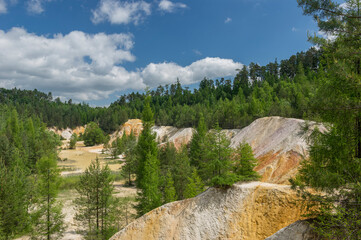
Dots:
pixel 322 84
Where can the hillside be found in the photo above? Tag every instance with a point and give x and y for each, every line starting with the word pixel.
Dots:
pixel 278 143
pixel 251 211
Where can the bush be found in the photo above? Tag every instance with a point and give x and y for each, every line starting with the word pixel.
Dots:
pixel 93 135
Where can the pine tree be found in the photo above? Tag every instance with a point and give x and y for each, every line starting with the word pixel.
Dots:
pixel 170 194
pixel 244 163
pixel 94 205
pixel 48 220
pixel 195 185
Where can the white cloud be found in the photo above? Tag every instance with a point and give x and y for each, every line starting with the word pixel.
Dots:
pixel 163 73
pixel 228 20
pixel 36 6
pixel 117 12
pixel 58 63
pixel 3 8
pixel 89 67
pixel 294 29
pixel 168 6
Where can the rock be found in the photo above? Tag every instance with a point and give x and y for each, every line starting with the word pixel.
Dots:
pixel 66 134
pixel 249 211
pixel 299 230
pixel 278 143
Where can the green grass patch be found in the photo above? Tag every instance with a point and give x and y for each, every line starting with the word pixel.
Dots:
pixel 69 182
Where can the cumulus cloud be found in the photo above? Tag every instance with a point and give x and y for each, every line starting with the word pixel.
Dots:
pixel 163 73
pixel 59 63
pixel 89 66
pixel 168 6
pixel 3 8
pixel 117 12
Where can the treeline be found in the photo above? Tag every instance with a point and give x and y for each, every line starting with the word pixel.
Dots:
pixel 282 89
pixel 56 113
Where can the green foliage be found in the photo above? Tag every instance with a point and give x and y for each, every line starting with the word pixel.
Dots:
pixel 23 141
pixel 15 192
pixel 335 153
pixel 69 182
pixel 93 135
pixel 195 185
pixel 130 166
pixel 244 162
pixel 149 196
pixel 47 218
pixel 170 194
pixel 94 205
pixel 217 168
pixel 198 138
pixel 73 140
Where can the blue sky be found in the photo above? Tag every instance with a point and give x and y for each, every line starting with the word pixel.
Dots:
pixel 95 50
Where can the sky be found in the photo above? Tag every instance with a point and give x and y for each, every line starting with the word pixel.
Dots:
pixel 96 50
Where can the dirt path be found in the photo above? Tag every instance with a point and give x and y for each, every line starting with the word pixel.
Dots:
pixel 75 161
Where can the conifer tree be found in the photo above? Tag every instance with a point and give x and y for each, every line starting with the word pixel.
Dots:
pixel 195 185
pixel 244 163
pixel 149 196
pixel 146 142
pixel 217 169
pixel 148 179
pixel 93 206
pixel 130 153
pixel 48 220
pixel 196 145
pixel 335 154
pixel 14 198
pixel 170 194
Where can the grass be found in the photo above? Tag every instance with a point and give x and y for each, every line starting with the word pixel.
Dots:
pixel 70 182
